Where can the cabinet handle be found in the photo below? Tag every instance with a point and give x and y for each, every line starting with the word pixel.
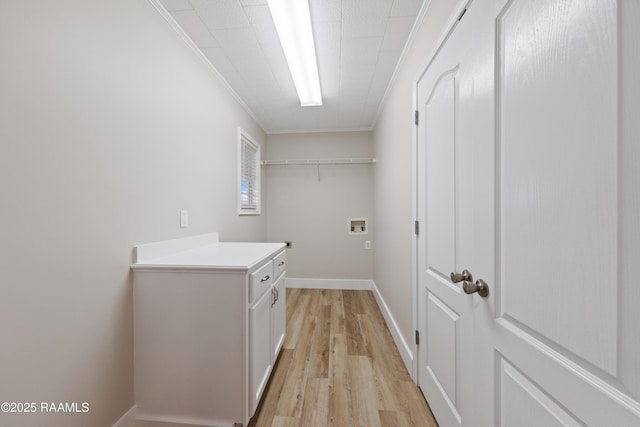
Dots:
pixel 281 263
pixel 265 278
pixel 274 298
pixel 277 294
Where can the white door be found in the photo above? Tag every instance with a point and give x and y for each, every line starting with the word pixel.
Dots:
pixel 446 225
pixel 557 234
pixel 555 211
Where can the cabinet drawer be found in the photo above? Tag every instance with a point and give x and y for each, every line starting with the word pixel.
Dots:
pixel 279 264
pixel 260 281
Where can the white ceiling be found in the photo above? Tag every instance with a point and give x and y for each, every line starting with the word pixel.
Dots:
pixel 358 44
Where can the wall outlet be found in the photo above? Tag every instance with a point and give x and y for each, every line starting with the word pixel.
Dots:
pixel 367 244
pixel 184 219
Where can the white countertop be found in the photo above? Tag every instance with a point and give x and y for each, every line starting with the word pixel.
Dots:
pixel 208 254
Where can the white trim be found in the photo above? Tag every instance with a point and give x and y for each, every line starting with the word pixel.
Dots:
pixel 176 27
pixel 314 162
pixel 414 237
pixel 128 419
pixel 163 420
pixel 404 348
pixel 285 131
pixel 344 284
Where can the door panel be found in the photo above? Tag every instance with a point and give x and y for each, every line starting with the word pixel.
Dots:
pixel 557 77
pixel 440 152
pixel 441 347
pixel 522 403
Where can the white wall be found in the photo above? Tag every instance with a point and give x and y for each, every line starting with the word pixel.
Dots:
pixel 393 184
pixel 313 214
pixel 109 125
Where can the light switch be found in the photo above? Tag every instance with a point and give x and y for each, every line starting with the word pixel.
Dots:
pixel 184 219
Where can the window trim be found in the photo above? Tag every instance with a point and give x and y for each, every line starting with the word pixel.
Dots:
pixel 245 139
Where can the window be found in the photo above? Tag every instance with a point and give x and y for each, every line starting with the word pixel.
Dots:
pixel 249 175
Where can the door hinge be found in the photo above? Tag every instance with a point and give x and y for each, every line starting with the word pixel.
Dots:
pixel 417 337
pixel 416 117
pixel 416 225
pixel 462 14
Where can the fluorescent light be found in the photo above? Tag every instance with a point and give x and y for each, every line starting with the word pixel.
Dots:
pixel 293 23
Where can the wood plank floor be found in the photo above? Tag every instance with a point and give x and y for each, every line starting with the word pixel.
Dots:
pixel 339 367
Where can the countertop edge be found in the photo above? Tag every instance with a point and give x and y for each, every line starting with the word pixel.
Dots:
pixel 209 267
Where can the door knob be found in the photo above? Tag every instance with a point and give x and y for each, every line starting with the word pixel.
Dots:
pixel 459 277
pixel 480 287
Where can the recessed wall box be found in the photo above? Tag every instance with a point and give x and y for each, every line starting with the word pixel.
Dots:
pixel 358 226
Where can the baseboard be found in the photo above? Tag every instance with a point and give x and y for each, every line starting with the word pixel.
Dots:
pixel 404 348
pixel 128 419
pixel 346 284
pixel 134 419
pixel 170 421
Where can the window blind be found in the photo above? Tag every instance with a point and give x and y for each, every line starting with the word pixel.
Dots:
pixel 249 176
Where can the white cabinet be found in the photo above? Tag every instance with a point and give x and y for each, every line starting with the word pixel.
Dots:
pixel 207 328
pixel 267 322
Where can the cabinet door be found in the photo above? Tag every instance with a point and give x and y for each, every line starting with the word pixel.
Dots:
pixel 260 348
pixel 278 318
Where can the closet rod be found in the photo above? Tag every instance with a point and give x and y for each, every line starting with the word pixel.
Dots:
pixel 319 162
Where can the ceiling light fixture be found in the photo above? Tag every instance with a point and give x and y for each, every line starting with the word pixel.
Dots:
pixel 293 23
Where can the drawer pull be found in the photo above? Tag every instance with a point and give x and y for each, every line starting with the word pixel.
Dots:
pixel 265 278
pixel 281 263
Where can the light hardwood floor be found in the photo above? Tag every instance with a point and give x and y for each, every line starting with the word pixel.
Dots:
pixel 339 367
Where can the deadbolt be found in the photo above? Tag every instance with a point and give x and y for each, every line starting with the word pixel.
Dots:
pixel 480 287
pixel 459 277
